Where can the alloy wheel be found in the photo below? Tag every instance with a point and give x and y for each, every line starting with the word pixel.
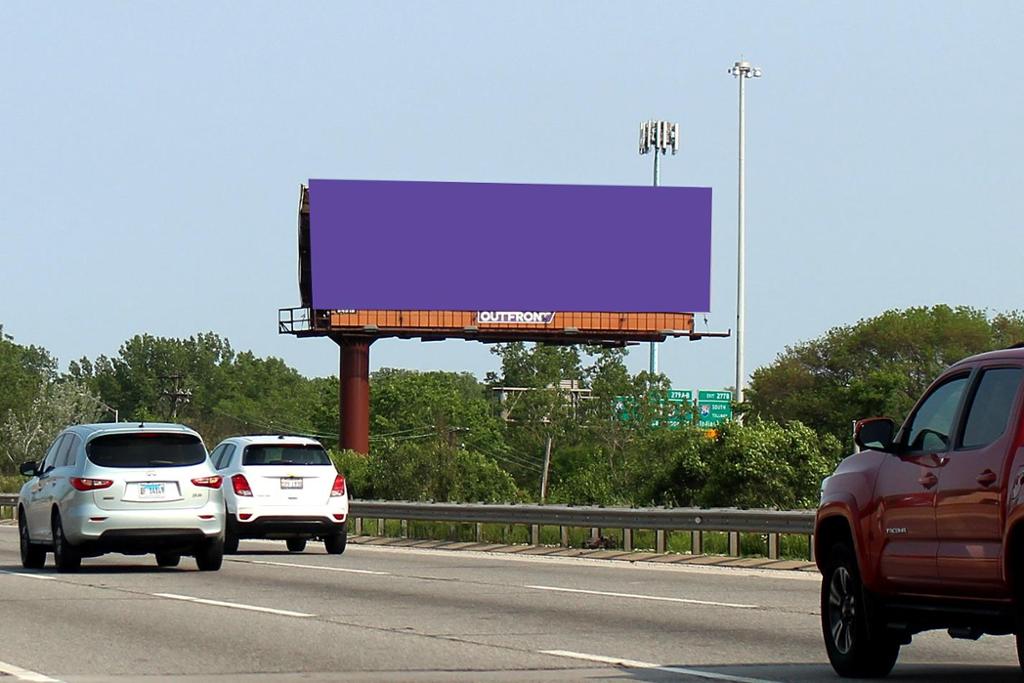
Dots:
pixel 842 611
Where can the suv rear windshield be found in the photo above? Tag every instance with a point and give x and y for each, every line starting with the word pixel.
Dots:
pixel 146 450
pixel 285 454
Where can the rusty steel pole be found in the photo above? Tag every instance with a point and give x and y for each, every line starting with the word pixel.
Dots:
pixel 354 393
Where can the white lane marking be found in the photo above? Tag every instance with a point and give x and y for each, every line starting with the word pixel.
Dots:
pixel 25 674
pixel 234 605
pixel 313 566
pixel 658 598
pixel 41 577
pixel 633 664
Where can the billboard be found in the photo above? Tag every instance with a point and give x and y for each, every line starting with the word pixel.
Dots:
pixel 510 254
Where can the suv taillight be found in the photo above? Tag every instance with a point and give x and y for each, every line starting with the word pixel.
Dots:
pixel 90 484
pixel 241 485
pixel 339 486
pixel 213 482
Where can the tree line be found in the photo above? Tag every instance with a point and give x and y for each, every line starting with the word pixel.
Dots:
pixel 450 436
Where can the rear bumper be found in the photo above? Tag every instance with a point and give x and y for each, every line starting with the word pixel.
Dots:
pixel 98 530
pixel 142 541
pixel 286 526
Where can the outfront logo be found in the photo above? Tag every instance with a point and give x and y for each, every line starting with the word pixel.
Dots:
pixel 506 317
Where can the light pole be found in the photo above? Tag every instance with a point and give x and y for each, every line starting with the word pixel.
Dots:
pixel 742 70
pixel 658 137
pixel 102 405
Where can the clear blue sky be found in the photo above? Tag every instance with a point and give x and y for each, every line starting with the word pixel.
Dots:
pixel 150 154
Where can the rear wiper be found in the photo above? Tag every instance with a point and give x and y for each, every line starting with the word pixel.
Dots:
pixel 156 463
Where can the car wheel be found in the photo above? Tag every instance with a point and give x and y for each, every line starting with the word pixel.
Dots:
pixel 296 545
pixel 230 537
pixel 65 556
pixel 32 556
pixel 857 644
pixel 168 559
pixel 210 555
pixel 335 543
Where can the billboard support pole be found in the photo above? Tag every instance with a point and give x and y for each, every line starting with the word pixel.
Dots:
pixel 354 392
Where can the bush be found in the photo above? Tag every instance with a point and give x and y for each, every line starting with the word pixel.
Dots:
pixel 764 464
pixel 11 483
pixel 434 472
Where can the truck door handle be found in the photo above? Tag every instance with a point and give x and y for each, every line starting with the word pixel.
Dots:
pixel 928 480
pixel 987 478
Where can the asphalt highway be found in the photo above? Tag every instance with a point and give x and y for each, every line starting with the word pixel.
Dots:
pixel 392 614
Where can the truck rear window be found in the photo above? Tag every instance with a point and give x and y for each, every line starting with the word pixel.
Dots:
pixel 146 450
pixel 285 454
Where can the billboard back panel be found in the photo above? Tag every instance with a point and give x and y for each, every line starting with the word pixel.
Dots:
pixel 389 245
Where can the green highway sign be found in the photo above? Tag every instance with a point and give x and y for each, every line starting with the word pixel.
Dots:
pixel 713 408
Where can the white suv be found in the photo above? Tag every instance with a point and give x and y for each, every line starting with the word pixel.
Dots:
pixel 122 487
pixel 281 487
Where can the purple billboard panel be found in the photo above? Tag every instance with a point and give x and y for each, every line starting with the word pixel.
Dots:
pixel 385 245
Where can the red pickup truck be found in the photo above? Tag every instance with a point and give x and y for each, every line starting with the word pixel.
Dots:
pixel 924 527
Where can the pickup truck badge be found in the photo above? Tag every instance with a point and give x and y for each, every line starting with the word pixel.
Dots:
pixel 895 530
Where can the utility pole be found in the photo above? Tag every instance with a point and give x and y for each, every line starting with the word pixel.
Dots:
pixel 176 396
pixel 547 470
pixel 742 70
pixel 658 137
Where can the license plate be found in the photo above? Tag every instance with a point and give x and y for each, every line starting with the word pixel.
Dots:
pixel 151 490
pixel 291 483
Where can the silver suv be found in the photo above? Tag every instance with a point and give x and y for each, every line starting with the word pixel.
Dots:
pixel 125 488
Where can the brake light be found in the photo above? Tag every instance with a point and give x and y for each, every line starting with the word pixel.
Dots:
pixel 339 486
pixel 209 482
pixel 240 485
pixel 90 484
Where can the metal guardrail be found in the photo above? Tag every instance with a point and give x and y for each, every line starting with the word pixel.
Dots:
pixel 667 519
pixel 734 521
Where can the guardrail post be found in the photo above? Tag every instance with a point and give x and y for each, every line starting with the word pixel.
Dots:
pixel 359 526
pixel 380 526
pixel 773 546
pixel 734 543
pixel 627 540
pixel 595 534
pixel 810 547
pixel 405 528
pixel 659 541
pixel 535 534
pixel 696 542
pixel 479 532
pixel 563 536
pixel 508 534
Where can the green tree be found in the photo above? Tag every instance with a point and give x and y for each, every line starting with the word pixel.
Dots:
pixel 26 433
pixel 878 366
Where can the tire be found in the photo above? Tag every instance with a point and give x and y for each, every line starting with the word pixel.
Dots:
pixel 230 537
pixel 168 559
pixel 335 543
pixel 296 545
pixel 210 555
pixel 858 645
pixel 32 556
pixel 65 556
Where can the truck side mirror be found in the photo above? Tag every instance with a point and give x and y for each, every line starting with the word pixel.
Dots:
pixel 875 433
pixel 28 469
